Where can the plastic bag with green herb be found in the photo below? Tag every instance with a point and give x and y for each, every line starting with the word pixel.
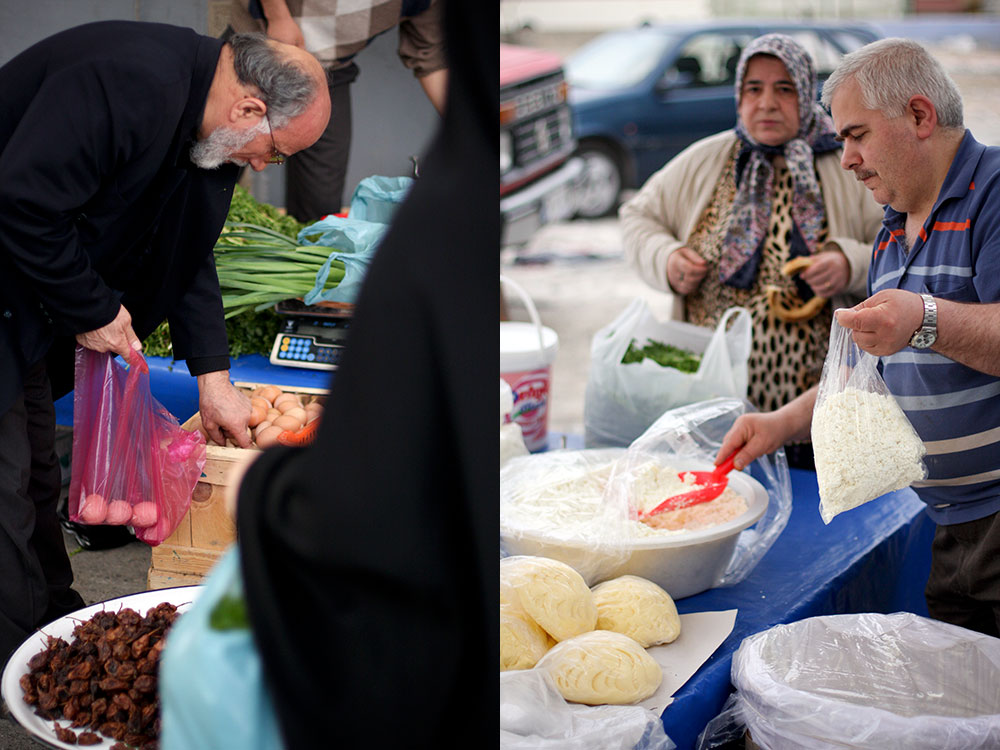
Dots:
pixel 229 705
pixel 641 367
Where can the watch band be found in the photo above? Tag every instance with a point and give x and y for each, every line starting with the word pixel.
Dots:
pixel 930 312
pixel 926 335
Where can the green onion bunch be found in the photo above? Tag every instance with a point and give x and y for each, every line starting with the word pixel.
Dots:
pixel 259 267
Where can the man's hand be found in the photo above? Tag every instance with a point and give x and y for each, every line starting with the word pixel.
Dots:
pixel 117 336
pixel 225 410
pixel 828 274
pixel 757 434
pixel 685 270
pixel 885 322
pixel 280 25
pixel 287 31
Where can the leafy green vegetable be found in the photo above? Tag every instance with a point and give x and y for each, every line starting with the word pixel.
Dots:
pixel 229 613
pixel 245 209
pixel 665 355
pixel 259 263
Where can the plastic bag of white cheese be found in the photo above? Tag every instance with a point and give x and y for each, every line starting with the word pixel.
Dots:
pixel 863 443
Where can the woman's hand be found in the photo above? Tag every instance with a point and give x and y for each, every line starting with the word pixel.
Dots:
pixel 829 273
pixel 685 270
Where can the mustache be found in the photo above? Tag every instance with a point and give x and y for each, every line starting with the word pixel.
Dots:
pixel 864 175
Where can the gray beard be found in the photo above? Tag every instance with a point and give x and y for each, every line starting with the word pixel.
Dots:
pixel 215 150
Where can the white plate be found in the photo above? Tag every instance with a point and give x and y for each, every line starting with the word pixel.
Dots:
pixel 13 696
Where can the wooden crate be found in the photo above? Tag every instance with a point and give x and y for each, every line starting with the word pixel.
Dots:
pixel 206 531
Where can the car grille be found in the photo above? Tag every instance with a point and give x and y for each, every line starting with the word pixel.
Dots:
pixel 539 138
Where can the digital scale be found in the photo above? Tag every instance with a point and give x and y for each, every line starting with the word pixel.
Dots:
pixel 312 336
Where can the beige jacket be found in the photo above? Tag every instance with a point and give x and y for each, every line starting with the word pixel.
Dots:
pixel 662 215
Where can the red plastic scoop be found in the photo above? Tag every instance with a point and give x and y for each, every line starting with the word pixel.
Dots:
pixel 714 482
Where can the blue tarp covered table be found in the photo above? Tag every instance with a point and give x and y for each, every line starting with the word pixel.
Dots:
pixel 874 558
pixel 173 386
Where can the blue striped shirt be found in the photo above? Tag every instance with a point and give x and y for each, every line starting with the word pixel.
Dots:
pixel 954 409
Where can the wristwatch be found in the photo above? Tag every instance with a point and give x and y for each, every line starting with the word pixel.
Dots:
pixel 926 335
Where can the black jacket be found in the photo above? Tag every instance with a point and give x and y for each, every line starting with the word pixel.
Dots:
pixel 99 202
pixel 369 558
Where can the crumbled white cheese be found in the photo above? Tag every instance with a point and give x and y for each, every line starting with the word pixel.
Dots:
pixel 577 507
pixel 864 447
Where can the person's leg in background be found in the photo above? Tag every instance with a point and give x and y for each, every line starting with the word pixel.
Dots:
pixel 31 546
pixel 964 583
pixel 315 177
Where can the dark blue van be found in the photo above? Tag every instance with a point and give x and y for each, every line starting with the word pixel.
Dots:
pixel 640 96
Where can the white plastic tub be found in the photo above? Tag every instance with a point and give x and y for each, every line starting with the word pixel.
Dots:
pixel 683 563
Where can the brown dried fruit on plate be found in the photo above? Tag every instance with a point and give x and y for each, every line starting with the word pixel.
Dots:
pixel 104 680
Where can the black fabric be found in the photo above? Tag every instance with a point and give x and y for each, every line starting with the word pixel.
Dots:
pixel 370 558
pixel 963 587
pixel 99 203
pixel 36 571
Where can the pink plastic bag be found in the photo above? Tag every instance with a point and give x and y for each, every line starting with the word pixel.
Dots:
pixel 133 464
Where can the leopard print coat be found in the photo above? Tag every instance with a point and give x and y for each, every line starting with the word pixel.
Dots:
pixel 786 358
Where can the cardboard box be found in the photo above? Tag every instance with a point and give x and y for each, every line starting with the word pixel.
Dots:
pixel 206 531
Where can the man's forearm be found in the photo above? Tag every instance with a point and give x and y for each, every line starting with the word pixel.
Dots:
pixel 969 333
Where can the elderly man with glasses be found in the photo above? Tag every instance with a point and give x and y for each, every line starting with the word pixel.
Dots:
pixel 121 143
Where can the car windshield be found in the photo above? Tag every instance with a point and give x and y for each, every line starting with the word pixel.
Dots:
pixel 615 61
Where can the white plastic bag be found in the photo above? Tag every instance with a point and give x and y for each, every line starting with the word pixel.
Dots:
pixel 534 716
pixel 579 506
pixel 555 504
pixel 884 682
pixel 863 443
pixel 622 400
pixel 694 433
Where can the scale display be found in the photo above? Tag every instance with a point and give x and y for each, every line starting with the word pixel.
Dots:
pixel 309 340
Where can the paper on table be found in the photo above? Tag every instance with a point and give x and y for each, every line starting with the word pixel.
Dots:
pixel 701 634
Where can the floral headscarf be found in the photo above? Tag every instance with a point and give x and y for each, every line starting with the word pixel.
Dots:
pixel 751 210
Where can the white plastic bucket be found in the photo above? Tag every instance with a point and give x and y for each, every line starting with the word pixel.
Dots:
pixel 527 351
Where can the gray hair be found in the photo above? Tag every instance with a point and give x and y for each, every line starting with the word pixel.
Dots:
pixel 891 71
pixel 285 87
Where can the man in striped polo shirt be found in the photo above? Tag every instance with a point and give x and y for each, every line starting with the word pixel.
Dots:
pixel 933 315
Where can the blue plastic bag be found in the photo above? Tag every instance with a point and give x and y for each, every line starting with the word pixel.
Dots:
pixel 355 237
pixel 212 691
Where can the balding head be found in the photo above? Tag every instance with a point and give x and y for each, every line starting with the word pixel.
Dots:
pixel 302 129
pixel 266 97
pixel 289 80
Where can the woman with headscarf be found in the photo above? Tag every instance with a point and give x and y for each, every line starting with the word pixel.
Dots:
pixel 719 224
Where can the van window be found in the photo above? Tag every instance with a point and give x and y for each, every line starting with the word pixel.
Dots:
pixel 709 59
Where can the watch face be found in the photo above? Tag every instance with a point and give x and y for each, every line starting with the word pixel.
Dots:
pixel 923 339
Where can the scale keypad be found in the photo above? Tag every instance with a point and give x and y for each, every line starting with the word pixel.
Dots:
pixel 297 350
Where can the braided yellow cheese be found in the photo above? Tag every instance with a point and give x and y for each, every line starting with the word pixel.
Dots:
pixel 551 593
pixel 522 640
pixel 638 608
pixel 602 667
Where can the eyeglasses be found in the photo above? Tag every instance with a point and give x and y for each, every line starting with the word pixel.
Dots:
pixel 276 157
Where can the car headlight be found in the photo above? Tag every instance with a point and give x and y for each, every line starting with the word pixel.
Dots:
pixel 506 151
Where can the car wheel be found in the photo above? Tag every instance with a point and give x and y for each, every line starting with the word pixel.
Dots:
pixel 601 182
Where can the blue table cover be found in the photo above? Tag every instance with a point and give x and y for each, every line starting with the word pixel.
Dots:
pixel 173 386
pixel 874 558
